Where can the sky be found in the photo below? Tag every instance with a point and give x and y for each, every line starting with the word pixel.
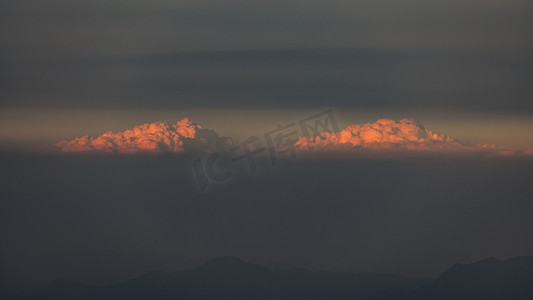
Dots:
pixel 66 62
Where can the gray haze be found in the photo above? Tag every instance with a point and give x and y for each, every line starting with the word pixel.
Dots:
pixel 103 219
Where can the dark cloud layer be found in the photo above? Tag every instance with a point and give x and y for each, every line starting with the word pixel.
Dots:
pixel 342 77
pixel 99 219
pixel 135 54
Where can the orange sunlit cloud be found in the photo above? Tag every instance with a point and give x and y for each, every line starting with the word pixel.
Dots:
pixel 384 135
pixel 390 135
pixel 157 137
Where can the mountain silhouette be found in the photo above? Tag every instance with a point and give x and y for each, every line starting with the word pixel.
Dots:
pixel 231 278
pixel 490 279
pixel 483 280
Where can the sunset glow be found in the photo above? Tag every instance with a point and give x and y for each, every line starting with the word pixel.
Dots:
pixel 403 135
pixel 185 136
pixel 155 138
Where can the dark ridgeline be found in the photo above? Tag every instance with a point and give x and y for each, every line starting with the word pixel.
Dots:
pixel 486 279
pixel 231 278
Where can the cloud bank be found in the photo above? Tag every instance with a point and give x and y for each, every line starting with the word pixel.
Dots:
pixel 386 135
pixel 381 137
pixel 157 137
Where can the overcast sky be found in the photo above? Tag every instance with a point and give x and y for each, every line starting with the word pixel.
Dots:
pixel 459 55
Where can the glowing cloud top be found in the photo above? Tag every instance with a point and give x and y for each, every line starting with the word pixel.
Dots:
pixel 382 136
pixel 157 137
pixel 405 134
pixel 390 135
pixel 387 135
